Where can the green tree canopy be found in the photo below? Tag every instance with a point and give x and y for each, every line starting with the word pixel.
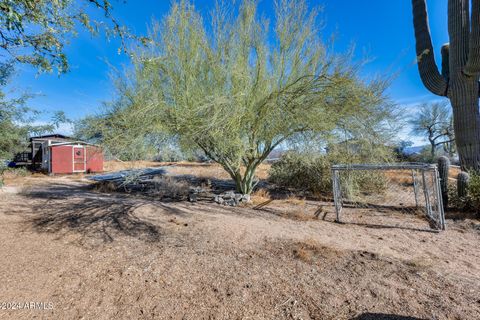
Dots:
pixel 36 31
pixel 241 85
pixel 17 120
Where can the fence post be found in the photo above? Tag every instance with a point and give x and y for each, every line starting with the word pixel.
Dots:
pixel 441 211
pixel 415 187
pixel 337 193
pixel 427 195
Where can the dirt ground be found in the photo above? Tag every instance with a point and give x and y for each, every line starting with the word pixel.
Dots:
pixel 92 255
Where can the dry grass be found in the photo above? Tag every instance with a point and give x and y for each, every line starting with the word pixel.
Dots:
pixel 260 196
pixel 420 264
pixel 105 187
pixel 453 172
pixel 295 200
pixel 262 171
pixel 205 170
pixel 299 215
pixel 168 187
pixel 402 177
pixel 115 165
pixel 310 249
pixel 15 176
pixel 200 170
pixel 405 176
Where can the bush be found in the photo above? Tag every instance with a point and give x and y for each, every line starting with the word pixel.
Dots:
pixel 474 190
pixel 303 171
pixel 312 172
pixel 168 187
pixel 472 201
pixel 364 182
pixel 11 173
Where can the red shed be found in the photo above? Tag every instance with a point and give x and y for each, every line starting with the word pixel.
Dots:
pixel 72 157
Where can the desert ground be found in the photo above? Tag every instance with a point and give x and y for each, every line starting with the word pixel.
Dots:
pixel 93 254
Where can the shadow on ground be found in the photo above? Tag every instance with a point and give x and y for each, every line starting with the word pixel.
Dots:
pixel 380 226
pixel 383 316
pixel 64 209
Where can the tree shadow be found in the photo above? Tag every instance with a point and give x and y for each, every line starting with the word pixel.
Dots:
pixel 383 316
pixel 381 226
pixel 94 219
pixel 66 209
pixel 459 215
pixel 382 208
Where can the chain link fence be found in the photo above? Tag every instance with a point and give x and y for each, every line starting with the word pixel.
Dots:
pixel 389 195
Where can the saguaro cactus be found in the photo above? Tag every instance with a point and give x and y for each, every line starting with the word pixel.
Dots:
pixel 443 167
pixel 462 184
pixel 458 80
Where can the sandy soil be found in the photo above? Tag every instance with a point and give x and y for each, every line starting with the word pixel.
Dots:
pixel 96 255
pixel 203 170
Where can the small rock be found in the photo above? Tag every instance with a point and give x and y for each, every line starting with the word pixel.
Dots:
pixel 192 197
pixel 230 202
pixel 229 194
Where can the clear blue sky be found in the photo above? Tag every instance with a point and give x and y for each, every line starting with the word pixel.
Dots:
pixel 381 28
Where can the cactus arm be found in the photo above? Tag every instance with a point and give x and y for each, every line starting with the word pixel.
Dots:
pixel 462 184
pixel 431 77
pixel 445 62
pixel 472 68
pixel 459 32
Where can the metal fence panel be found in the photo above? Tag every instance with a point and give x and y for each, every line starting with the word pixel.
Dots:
pixel 400 193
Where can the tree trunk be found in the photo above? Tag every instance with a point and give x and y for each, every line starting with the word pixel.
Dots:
pixel 432 150
pixel 246 183
pixel 464 99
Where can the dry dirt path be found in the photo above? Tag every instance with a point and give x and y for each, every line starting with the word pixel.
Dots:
pixel 101 256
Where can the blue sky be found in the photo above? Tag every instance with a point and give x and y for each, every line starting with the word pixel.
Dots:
pixel 382 29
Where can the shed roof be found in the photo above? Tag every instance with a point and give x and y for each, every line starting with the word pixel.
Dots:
pixel 72 143
pixel 51 136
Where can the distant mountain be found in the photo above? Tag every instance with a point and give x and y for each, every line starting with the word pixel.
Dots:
pixel 414 150
pixel 275 154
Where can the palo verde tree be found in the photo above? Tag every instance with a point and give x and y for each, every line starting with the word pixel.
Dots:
pixel 35 31
pixel 458 79
pixel 127 127
pixel 239 87
pixel 433 121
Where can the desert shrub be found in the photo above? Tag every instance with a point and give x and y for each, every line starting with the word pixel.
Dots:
pixel 471 202
pixel 17 172
pixel 12 173
pixel 474 190
pixel 168 187
pixel 303 171
pixel 365 182
pixel 169 154
pixel 3 167
pixel 312 172
pixel 456 202
pixel 105 186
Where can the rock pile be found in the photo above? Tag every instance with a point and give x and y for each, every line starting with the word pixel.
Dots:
pixel 230 198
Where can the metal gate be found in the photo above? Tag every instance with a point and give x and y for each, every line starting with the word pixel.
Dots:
pixel 378 192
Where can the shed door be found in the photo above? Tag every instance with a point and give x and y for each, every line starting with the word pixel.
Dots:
pixel 79 160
